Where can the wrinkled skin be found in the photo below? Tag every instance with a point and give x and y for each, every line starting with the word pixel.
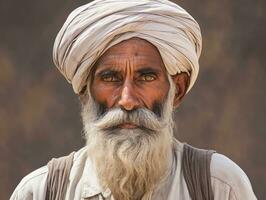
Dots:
pixel 132 75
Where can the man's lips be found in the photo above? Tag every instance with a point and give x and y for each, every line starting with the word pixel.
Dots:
pixel 128 126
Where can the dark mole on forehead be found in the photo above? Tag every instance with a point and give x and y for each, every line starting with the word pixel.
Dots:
pixel 136 54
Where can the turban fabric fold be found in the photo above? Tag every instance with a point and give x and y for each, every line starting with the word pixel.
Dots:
pixel 93 28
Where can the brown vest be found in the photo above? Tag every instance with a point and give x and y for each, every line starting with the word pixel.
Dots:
pixel 196 171
pixel 195 167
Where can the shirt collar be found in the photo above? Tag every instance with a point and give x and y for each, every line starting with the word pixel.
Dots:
pixel 91 185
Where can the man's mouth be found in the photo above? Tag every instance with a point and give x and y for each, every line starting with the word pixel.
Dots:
pixel 127 126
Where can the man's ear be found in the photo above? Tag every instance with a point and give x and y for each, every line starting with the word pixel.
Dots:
pixel 83 96
pixel 181 82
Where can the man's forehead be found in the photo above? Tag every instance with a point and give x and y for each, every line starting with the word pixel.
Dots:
pixel 133 46
pixel 138 51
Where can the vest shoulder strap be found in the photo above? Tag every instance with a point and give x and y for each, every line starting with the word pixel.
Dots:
pixel 196 171
pixel 58 177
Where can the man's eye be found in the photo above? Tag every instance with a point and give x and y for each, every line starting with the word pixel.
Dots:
pixel 110 78
pixel 147 77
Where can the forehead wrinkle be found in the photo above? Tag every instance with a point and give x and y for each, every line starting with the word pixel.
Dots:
pixel 133 60
pixel 120 65
pixel 133 56
pixel 141 57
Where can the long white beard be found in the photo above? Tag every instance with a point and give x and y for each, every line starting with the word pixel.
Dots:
pixel 130 162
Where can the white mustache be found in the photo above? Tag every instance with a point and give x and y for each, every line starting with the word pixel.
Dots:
pixel 143 118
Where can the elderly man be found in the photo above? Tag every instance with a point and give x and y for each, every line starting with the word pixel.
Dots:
pixel 131 63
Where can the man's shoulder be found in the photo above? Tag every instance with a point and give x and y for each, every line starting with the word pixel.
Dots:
pixel 31 184
pixel 227 175
pixel 35 182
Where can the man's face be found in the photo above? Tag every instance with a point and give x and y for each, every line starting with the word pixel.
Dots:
pixel 130 75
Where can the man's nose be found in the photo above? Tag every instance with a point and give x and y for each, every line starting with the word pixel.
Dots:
pixel 128 99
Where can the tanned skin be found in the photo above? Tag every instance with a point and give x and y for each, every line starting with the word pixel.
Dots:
pixel 132 75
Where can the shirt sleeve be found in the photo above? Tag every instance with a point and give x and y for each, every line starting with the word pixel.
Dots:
pixel 229 181
pixel 32 186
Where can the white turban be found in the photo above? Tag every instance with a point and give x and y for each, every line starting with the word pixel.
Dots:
pixel 95 27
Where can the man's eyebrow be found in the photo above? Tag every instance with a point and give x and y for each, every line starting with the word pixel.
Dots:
pixel 144 70
pixel 148 70
pixel 107 72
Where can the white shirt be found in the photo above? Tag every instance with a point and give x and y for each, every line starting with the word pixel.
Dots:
pixel 228 180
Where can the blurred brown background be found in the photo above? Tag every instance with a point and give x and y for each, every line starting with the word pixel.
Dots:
pixel 39 114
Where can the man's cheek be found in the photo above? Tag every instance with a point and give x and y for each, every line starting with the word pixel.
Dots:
pixel 157 108
pixel 102 108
